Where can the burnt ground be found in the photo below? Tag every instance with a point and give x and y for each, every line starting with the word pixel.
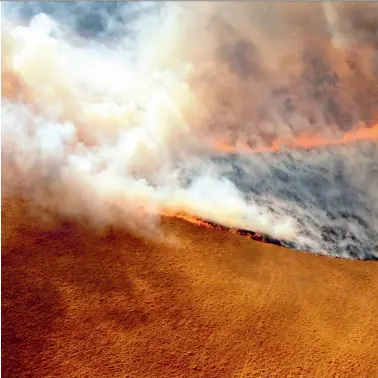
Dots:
pixel 329 193
pixel 187 302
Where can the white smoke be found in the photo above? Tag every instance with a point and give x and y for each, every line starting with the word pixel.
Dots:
pixel 120 129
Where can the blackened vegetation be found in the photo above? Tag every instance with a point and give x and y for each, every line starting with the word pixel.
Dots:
pixel 329 194
pixel 264 238
pixel 322 190
pixel 328 234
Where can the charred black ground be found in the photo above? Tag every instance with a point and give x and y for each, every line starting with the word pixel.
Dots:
pixel 268 239
pixel 321 189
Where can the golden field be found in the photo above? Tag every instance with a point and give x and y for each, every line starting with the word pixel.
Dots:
pixel 186 302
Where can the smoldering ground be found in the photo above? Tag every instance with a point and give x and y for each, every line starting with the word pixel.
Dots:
pixel 112 111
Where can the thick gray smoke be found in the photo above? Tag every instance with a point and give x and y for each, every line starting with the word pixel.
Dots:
pixel 118 112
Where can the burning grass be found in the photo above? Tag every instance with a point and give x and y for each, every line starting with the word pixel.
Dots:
pixel 214 226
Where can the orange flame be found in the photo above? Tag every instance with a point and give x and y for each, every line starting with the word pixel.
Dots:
pixel 306 142
pixel 202 223
pixel 303 142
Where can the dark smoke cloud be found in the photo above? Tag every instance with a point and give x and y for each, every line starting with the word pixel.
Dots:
pixel 113 107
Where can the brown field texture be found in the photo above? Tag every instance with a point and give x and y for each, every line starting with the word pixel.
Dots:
pixel 187 302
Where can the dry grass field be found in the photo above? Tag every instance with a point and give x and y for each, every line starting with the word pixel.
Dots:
pixel 188 302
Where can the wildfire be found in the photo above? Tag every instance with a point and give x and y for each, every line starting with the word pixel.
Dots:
pixel 207 224
pixel 306 142
pixel 360 134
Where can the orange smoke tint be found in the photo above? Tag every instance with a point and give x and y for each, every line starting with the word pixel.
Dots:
pixel 306 142
pixel 13 88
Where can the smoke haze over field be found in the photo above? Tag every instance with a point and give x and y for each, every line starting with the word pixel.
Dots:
pixel 114 110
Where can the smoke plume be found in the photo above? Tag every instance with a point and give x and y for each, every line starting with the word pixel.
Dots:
pixel 255 116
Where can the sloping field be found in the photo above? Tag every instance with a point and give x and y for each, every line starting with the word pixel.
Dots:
pixel 188 302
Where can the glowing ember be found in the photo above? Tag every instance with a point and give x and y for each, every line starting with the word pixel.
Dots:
pixel 360 134
pixel 202 223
